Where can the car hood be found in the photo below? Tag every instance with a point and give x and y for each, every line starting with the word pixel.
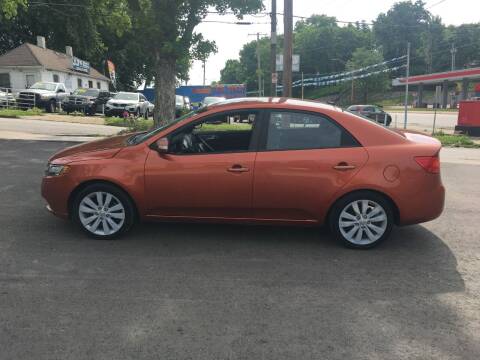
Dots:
pixel 94 150
pixel 128 102
pixel 38 91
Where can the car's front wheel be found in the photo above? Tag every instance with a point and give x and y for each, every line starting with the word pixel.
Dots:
pixel 361 220
pixel 103 211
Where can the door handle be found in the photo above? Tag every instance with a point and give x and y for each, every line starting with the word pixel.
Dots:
pixel 237 169
pixel 343 166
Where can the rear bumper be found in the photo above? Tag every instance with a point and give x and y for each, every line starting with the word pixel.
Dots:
pixel 425 205
pixel 76 107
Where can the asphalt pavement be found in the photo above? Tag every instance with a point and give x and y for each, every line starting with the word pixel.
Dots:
pixel 175 291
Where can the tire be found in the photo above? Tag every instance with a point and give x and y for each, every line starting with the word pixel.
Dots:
pixel 147 114
pixel 51 106
pixel 137 113
pixel 99 223
pixel 355 212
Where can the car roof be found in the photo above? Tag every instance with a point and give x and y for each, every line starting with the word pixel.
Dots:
pixel 271 102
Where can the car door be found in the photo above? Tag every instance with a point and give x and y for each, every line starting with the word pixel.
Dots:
pixel 213 183
pixel 303 160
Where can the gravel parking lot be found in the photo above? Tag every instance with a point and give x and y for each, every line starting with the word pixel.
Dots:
pixel 173 291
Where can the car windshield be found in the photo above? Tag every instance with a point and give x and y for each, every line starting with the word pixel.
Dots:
pixel 44 86
pixel 141 137
pixel 126 96
pixel 86 92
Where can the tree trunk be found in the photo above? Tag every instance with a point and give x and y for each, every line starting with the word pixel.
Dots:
pixel 165 81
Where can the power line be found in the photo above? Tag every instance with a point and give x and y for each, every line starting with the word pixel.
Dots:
pixel 437 3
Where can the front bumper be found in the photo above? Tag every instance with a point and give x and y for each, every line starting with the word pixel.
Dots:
pixel 56 191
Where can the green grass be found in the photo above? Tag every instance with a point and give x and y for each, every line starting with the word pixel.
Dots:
pixel 455 140
pixel 132 125
pixel 142 125
pixel 16 113
pixel 225 127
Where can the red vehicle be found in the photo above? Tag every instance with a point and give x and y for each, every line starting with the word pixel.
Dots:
pixel 258 161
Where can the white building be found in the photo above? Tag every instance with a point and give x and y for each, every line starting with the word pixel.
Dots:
pixel 27 64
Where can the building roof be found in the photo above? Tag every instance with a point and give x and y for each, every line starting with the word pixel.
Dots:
pixel 32 55
pixel 438 78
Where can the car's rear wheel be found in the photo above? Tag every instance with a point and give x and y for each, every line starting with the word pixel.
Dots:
pixel 362 219
pixel 103 211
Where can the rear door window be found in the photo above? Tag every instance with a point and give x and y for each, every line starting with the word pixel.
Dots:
pixel 289 130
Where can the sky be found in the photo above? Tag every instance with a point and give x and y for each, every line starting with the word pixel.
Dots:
pixel 230 38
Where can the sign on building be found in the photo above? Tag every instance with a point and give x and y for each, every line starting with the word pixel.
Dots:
pixel 80 65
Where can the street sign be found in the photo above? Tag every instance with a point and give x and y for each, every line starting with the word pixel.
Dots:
pixel 295 62
pixel 274 78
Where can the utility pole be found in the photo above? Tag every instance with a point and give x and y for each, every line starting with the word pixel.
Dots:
pixel 259 64
pixel 204 65
pixel 273 50
pixel 453 51
pixel 406 87
pixel 287 47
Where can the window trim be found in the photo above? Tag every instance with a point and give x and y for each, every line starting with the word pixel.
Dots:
pixel 262 145
pixel 254 140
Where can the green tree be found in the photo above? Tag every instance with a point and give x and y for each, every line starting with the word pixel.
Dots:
pixel 86 27
pixel 367 86
pixel 169 35
pixel 9 8
pixel 232 73
pixel 405 22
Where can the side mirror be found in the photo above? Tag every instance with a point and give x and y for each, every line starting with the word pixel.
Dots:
pixel 161 145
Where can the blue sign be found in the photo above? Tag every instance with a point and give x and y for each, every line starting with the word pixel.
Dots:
pixel 197 93
pixel 80 65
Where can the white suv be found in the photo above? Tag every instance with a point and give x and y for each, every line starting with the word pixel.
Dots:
pixel 134 103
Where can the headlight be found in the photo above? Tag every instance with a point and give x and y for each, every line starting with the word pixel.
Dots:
pixel 56 169
pixel 44 97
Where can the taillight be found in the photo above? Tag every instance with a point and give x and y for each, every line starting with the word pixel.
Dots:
pixel 430 164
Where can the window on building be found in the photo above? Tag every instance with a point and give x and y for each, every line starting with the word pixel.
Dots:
pixel 56 78
pixel 90 84
pixel 5 80
pixel 99 86
pixel 79 83
pixel 30 80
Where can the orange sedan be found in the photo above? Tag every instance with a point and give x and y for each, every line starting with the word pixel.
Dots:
pixel 257 161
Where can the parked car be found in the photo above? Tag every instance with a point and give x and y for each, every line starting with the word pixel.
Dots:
pixel 372 112
pixel 44 95
pixel 134 103
pixel 296 163
pixel 88 101
pixel 6 99
pixel 209 100
pixel 182 105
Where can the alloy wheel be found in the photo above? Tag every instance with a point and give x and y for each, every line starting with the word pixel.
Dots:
pixel 101 213
pixel 363 222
